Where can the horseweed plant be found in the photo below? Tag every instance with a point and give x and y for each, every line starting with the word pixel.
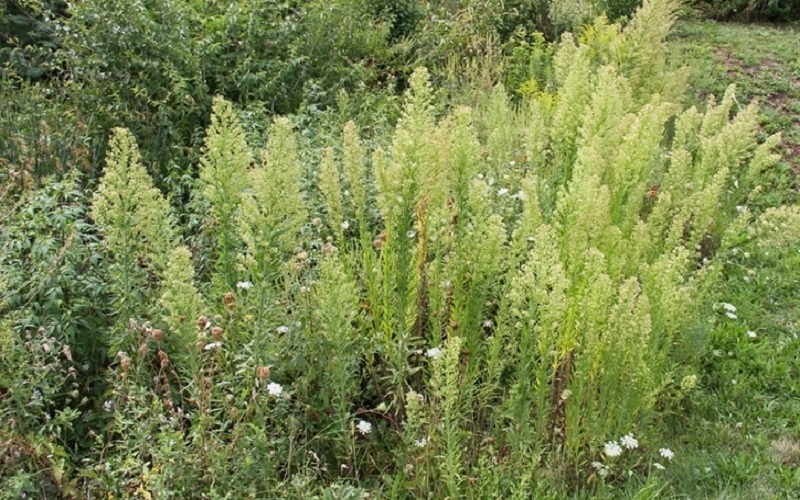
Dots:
pixel 530 298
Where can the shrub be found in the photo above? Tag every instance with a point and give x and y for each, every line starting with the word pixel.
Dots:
pixel 754 10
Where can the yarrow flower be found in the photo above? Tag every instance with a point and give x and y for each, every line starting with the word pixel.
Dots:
pixel 274 389
pixel 488 323
pixel 629 442
pixel 659 466
pixel 433 353
pixel 244 285
pixel 345 224
pixel 752 334
pixel 282 330
pixel 666 453
pixel 364 427
pixel 612 449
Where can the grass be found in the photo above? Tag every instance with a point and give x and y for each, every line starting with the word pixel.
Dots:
pixel 740 437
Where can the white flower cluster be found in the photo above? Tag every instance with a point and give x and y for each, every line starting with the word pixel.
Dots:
pixel 274 389
pixel 363 427
pixel 212 345
pixel 629 442
pixel 730 310
pixel 613 449
pixel 433 353
pixel 666 453
pixel 244 285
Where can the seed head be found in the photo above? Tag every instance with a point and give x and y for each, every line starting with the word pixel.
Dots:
pixel 229 301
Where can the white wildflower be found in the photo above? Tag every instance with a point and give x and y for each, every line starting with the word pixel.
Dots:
pixel 213 345
pixel 244 285
pixel 612 449
pixel 411 234
pixel 502 192
pixel 108 405
pixel 659 466
pixel 629 442
pixel 730 315
pixel 364 427
pixel 666 453
pixel 729 307
pixel 602 472
pixel 752 334
pixel 345 224
pixel 488 323
pixel 420 443
pixel 274 389
pixel 598 465
pixel 433 353
pixel 282 330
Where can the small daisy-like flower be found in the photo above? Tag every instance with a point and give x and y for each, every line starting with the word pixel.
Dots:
pixel 420 443
pixel 345 224
pixel 612 449
pixel 213 345
pixel 502 192
pixel 433 353
pixel 364 427
pixel 282 330
pixel 659 466
pixel 274 389
pixel 629 442
pixel 752 334
pixel 244 285
pixel 666 453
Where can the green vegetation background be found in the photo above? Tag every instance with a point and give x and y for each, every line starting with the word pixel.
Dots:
pixel 73 73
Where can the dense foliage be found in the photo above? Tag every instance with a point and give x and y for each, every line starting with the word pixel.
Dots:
pixel 494 292
pixel 752 10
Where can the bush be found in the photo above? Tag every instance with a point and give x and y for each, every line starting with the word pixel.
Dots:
pixel 752 10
